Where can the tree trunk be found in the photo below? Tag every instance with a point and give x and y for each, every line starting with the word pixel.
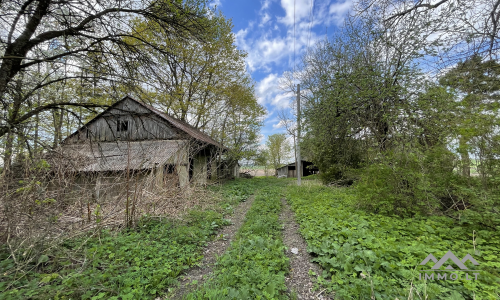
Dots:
pixel 58 121
pixel 7 159
pixel 464 155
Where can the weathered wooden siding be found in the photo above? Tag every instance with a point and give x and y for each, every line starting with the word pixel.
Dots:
pixel 180 162
pixel 199 169
pixel 283 171
pixel 142 125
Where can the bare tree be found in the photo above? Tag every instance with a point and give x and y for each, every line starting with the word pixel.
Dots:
pixel 458 28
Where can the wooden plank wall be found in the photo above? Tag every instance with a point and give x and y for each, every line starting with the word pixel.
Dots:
pixel 142 125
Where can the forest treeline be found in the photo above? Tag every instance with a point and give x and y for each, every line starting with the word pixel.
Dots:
pixel 404 100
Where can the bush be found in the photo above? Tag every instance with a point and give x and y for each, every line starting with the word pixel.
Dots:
pixel 411 183
pixel 371 256
pixel 136 263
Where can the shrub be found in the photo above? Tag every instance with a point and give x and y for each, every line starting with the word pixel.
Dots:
pixel 371 256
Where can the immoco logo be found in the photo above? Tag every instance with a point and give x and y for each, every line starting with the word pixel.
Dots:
pixel 442 274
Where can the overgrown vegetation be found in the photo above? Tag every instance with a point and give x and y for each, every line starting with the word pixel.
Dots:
pixel 138 263
pixel 255 265
pixel 408 131
pixel 371 256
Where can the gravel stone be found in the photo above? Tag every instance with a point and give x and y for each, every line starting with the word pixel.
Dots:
pixel 298 280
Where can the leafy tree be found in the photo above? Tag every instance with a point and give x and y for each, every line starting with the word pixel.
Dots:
pixel 478 82
pixel 204 83
pixel 357 84
pixel 278 148
pixel 262 159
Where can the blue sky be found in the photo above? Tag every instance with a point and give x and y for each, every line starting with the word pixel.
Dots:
pixel 264 29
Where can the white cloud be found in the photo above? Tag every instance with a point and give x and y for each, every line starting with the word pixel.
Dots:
pixel 272 42
pixel 265 18
pixel 215 3
pixel 265 4
pixel 269 94
pixel 267 88
pixel 281 100
pixel 295 11
pixel 280 124
pixel 338 11
pixel 268 49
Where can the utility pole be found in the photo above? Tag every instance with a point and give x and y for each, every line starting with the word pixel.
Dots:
pixel 298 164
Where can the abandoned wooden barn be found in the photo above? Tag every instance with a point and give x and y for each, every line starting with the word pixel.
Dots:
pixel 290 170
pixel 131 137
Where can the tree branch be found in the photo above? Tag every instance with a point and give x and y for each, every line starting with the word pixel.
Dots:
pixel 417 6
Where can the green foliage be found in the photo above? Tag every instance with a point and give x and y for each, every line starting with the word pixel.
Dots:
pixel 239 190
pixel 425 183
pixel 138 263
pixel 255 265
pixel 278 149
pixel 403 184
pixel 135 264
pixel 366 255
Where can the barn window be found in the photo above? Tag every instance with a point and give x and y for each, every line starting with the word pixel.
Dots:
pixel 121 125
pixel 169 169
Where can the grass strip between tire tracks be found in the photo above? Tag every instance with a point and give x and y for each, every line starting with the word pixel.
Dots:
pixel 255 265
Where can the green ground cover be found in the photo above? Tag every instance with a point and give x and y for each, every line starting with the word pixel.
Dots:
pixel 255 265
pixel 365 255
pixel 139 263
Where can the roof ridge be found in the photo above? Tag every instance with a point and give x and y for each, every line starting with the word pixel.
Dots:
pixel 179 124
pixel 173 120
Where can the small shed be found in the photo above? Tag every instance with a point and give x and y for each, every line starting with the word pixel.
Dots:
pixel 290 170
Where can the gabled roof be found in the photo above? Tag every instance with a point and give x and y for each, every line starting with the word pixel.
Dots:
pixel 193 132
pixel 181 125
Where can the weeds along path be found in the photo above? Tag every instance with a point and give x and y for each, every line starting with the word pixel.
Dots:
pixel 298 281
pixel 255 265
pixel 197 276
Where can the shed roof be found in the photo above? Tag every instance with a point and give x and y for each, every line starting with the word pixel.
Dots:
pixel 303 162
pixel 121 155
pixel 193 132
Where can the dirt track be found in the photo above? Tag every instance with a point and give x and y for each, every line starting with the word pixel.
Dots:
pixel 195 277
pixel 298 281
pixel 259 172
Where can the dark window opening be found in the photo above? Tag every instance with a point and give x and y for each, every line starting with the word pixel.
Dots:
pixel 191 166
pixel 209 169
pixel 121 125
pixel 169 169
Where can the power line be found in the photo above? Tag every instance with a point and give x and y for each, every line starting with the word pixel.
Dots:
pixel 311 18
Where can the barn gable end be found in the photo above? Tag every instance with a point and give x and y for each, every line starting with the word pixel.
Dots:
pixel 131 136
pixel 127 120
